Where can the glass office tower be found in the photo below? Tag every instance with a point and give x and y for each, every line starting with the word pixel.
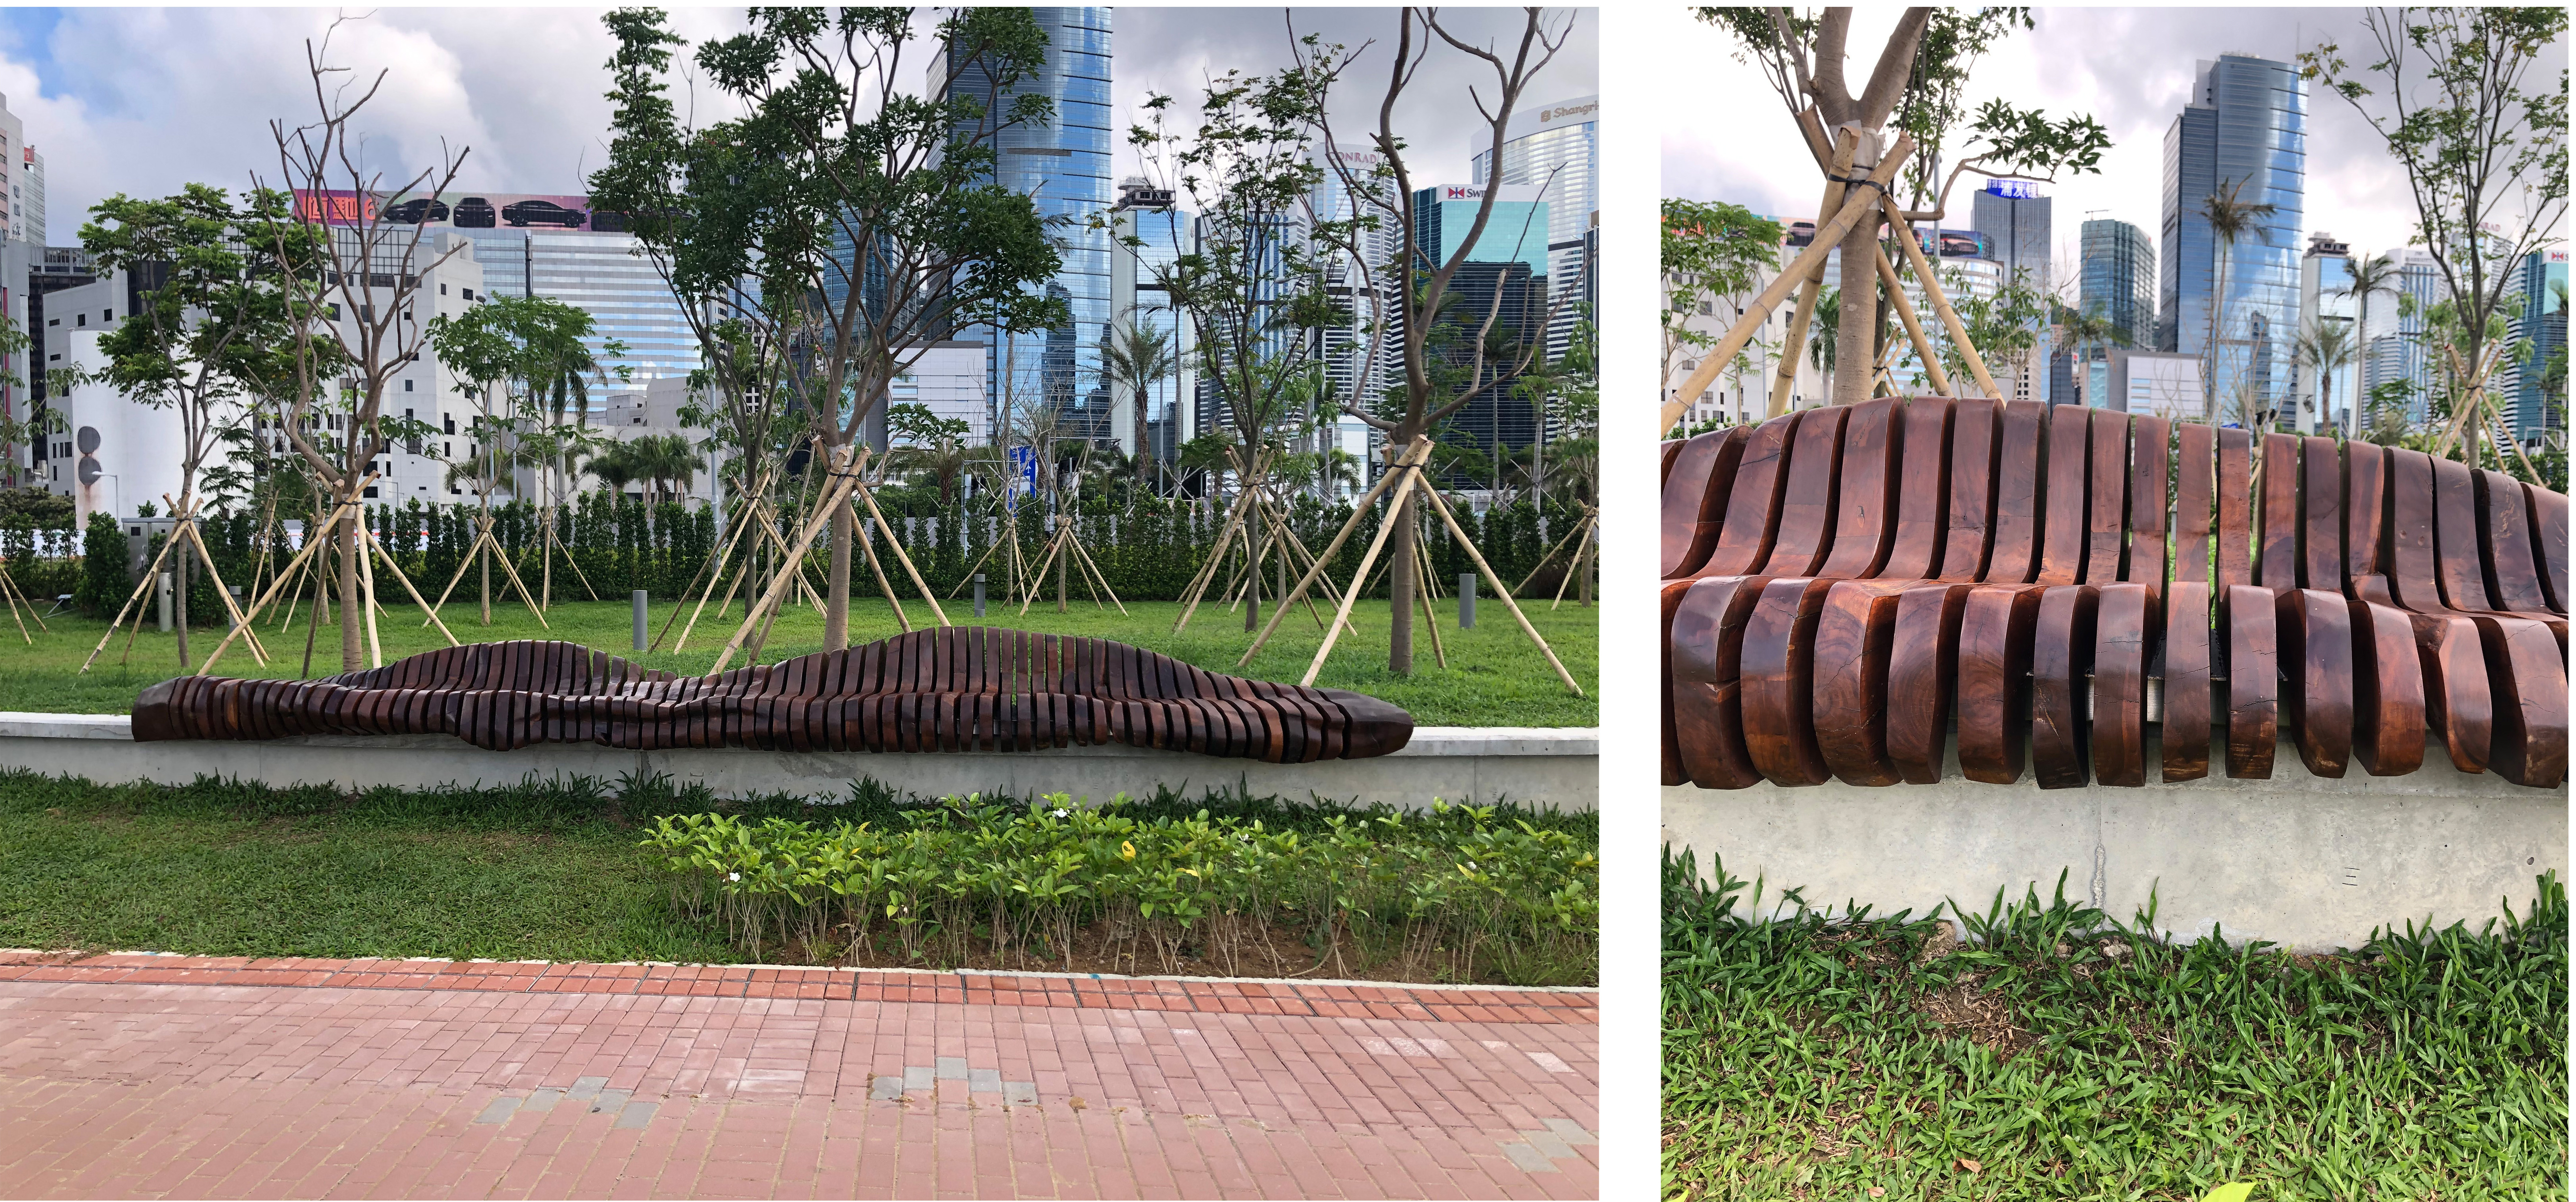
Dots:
pixel 2246 124
pixel 1557 149
pixel 1064 166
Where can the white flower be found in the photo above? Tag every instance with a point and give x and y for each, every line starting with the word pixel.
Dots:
pixel 733 876
pixel 1062 813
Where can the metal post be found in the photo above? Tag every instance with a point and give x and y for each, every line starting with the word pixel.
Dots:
pixel 165 602
pixel 236 591
pixel 1466 600
pixel 642 598
pixel 979 594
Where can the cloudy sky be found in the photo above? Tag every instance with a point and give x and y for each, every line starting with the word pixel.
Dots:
pixel 2130 68
pixel 142 100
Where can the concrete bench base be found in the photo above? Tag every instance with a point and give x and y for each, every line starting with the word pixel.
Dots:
pixel 1534 766
pixel 2299 860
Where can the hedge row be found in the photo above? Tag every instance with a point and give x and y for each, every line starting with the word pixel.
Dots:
pixel 1148 549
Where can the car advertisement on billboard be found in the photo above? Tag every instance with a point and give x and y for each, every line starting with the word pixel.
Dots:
pixel 461 209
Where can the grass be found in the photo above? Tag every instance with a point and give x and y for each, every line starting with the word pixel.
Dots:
pixel 542 871
pixel 1495 676
pixel 2059 1054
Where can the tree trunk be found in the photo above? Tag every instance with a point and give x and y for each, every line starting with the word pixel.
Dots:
pixel 1399 586
pixel 1855 328
pixel 1252 547
pixel 836 607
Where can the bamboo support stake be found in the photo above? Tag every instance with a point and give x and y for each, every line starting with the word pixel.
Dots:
pixel 1940 300
pixel 1913 327
pixel 1442 508
pixel 1812 290
pixel 1103 577
pixel 1430 620
pixel 367 581
pixel 378 546
pixel 927 595
pixel 249 637
pixel 142 586
pixel 1856 205
pixel 1400 469
pixel 842 481
pixel 1410 478
pixel 733 539
pixel 868 543
pixel 8 588
pixel 314 540
pixel 1581 550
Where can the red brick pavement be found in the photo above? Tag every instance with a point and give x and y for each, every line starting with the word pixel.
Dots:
pixel 125 1076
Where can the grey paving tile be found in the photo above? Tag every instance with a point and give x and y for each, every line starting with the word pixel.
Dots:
pixel 499 1111
pixel 1530 1159
pixel 634 1115
pixel 952 1068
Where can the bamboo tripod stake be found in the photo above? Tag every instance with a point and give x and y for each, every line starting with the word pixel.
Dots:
pixel 15 595
pixel 1401 469
pixel 1759 312
pixel 485 544
pixel 312 548
pixel 183 528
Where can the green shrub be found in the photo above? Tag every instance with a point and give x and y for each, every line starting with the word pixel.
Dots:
pixel 104 581
pixel 1453 892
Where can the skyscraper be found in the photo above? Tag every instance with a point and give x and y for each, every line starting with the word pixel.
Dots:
pixel 2014 217
pixel 2119 283
pixel 27 193
pixel 2326 399
pixel 14 226
pixel 2245 126
pixel 1504 277
pixel 1557 149
pixel 1062 165
pixel 1138 300
pixel 2394 340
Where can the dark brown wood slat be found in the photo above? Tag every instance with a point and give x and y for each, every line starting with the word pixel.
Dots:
pixel 1922 666
pixel 1778 687
pixel 1754 503
pixel 1805 530
pixel 2189 684
pixel 2015 554
pixel 2321 515
pixel 2513 578
pixel 2279 568
pixel 2123 616
pixel 2314 644
pixel 2062 502
pixel 2388 690
pixel 2253 684
pixel 2195 488
pixel 1970 512
pixel 1669 601
pixel 2061 657
pixel 1865 496
pixel 1697 485
pixel 1993 673
pixel 1672 449
pixel 2234 490
pixel 2107 524
pixel 1849 678
pixel 1707 646
pixel 2550 534
pixel 2458 695
pixel 2150 458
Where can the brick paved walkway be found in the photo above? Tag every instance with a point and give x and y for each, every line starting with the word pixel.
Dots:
pixel 127 1076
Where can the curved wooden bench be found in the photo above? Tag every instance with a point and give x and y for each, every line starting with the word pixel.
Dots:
pixel 970 688
pixel 1841 585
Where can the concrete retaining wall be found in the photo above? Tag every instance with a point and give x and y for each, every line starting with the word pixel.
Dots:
pixel 2310 863
pixel 1535 766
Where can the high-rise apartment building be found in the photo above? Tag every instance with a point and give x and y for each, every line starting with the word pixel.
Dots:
pixel 2119 278
pixel 1062 165
pixel 27 194
pixel 1555 148
pixel 2541 280
pixel 14 224
pixel 1161 233
pixel 2326 399
pixel 1504 277
pixel 2015 220
pixel 2245 128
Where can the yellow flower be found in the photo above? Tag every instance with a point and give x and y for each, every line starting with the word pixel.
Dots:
pixel 1129 849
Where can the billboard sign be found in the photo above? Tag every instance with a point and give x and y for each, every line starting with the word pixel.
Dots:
pixel 1024 477
pixel 459 209
pixel 2013 189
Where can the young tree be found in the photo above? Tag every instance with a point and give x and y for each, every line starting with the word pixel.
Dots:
pixel 2484 151
pixel 1416 287
pixel 1251 281
pixel 206 322
pixel 867 211
pixel 359 274
pixel 1919 81
pixel 2325 347
pixel 1711 252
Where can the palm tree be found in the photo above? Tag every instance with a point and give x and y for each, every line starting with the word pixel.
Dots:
pixel 1820 335
pixel 2230 219
pixel 2326 347
pixel 1138 357
pixel 2086 332
pixel 2378 274
pixel 945 460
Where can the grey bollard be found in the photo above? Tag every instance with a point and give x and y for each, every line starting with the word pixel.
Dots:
pixel 1466 600
pixel 979 594
pixel 642 598
pixel 236 591
pixel 164 591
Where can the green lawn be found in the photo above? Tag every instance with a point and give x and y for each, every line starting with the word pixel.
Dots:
pixel 2056 1055
pixel 1494 678
pixel 544 871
